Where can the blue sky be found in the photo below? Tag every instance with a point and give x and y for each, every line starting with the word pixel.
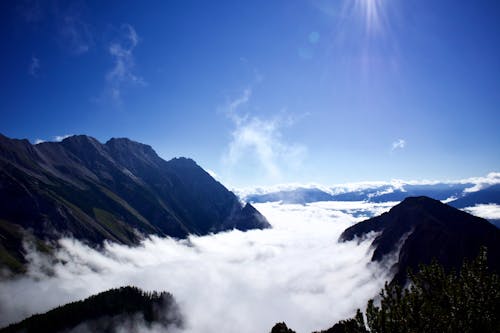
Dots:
pixel 264 92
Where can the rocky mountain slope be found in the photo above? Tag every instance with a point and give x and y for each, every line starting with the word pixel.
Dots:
pixel 117 191
pixel 423 229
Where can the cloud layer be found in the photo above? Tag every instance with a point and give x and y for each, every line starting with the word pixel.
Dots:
pixel 482 182
pixel 476 184
pixel 486 211
pixel 228 282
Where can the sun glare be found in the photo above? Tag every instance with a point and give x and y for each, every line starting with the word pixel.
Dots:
pixel 371 11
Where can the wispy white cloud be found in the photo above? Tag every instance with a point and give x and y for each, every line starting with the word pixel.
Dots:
pixel 233 105
pixel 122 73
pixel 398 144
pixel 75 34
pixel 260 140
pixel 34 66
pixel 31 11
pixel 71 31
pixel 59 138
pixel 56 138
pixel 212 173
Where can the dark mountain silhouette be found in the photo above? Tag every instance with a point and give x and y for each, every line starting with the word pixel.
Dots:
pixel 122 308
pixel 281 328
pixel 114 191
pixel 434 301
pixel 427 229
pixel 487 195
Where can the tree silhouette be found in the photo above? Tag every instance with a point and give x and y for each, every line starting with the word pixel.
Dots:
pixel 105 311
pixel 434 302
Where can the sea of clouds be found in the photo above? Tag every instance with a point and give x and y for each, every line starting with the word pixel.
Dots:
pixel 295 272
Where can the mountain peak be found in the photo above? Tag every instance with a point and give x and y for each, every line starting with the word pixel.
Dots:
pixel 420 200
pixel 99 192
pixel 125 142
pixel 127 145
pixel 80 138
pixel 132 154
pixel 183 162
pixel 422 229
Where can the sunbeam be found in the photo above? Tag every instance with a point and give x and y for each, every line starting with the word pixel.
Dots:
pixel 371 12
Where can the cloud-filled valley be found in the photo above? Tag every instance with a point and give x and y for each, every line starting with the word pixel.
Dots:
pixel 233 281
pixel 248 166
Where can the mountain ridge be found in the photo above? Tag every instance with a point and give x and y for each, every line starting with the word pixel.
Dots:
pixel 119 309
pixel 115 191
pixel 426 229
pixel 458 191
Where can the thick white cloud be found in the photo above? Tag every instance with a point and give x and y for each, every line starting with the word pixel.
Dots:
pixel 482 182
pixel 228 282
pixel 59 138
pixel 486 211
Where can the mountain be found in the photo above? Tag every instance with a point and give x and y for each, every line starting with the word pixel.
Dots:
pixel 122 309
pixel 296 196
pixel 467 300
pixel 423 229
pixel 371 193
pixel 439 191
pixel 117 191
pixel 487 195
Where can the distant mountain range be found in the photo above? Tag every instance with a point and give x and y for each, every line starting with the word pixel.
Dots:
pixel 117 191
pixel 460 194
pixel 488 195
pixel 454 192
pixel 420 229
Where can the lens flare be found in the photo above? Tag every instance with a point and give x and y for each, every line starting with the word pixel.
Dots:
pixel 370 13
